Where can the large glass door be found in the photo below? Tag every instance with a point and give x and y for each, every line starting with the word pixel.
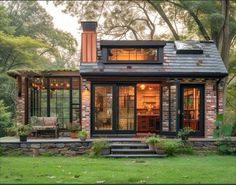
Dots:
pixel 103 108
pixel 126 108
pixel 192 108
pixel 113 109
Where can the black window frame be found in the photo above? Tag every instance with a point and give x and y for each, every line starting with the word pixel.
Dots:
pixel 48 99
pixel 106 45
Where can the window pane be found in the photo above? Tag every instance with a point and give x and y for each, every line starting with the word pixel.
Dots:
pixel 191 108
pixel 126 108
pixel 103 108
pixel 132 54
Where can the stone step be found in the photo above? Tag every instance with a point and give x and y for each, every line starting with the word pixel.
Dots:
pixel 128 145
pixel 121 141
pixel 132 151
pixel 136 155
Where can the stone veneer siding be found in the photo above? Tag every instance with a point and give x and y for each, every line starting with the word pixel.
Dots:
pixel 86 105
pixel 20 100
pixel 74 148
pixel 48 148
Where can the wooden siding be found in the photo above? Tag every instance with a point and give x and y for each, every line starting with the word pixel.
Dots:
pixel 88 47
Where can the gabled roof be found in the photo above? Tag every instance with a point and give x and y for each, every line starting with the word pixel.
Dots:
pixel 208 64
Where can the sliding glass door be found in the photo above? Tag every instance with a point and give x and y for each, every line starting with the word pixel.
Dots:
pixel 103 112
pixel 126 108
pixel 113 109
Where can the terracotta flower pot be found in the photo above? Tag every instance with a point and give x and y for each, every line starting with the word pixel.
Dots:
pixel 73 135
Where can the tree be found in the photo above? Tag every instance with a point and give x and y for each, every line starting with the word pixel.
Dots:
pixel 5 119
pixel 207 20
pixel 30 19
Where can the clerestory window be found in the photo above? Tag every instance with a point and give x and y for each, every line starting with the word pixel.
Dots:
pixel 118 52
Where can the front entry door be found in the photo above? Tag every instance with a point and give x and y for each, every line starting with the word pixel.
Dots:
pixel 192 108
pixel 113 109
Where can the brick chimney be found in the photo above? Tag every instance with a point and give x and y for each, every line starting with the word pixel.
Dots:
pixel 89 41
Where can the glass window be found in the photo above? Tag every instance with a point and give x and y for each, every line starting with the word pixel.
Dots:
pixel 126 108
pixel 132 54
pixel 57 94
pixel 148 107
pixel 103 108
pixel 191 108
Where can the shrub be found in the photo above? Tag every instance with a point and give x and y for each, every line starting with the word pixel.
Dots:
pixel 185 133
pixel 82 134
pixel 152 139
pixel 12 131
pixel 23 130
pixel 98 146
pixel 170 146
pixel 223 133
pixel 225 146
pixel 5 119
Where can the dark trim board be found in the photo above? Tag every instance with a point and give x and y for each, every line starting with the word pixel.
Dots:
pixel 155 74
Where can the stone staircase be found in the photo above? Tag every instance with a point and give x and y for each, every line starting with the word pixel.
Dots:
pixel 131 148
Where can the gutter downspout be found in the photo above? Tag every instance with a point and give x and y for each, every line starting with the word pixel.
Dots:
pixel 217 94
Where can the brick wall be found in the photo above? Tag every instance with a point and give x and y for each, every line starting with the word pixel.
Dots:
pixel 210 103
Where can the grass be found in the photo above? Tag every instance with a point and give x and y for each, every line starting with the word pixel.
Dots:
pixel 180 169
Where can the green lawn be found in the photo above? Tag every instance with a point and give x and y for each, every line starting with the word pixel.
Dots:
pixel 181 169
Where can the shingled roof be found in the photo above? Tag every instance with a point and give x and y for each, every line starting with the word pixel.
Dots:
pixel 208 64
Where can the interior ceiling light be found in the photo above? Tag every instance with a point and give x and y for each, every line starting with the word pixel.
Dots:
pixel 142 86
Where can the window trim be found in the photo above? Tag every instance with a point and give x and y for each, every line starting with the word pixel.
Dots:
pixel 107 44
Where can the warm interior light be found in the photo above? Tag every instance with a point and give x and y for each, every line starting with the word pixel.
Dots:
pixel 142 86
pixel 67 85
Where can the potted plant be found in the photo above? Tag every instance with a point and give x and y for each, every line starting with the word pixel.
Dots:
pixel 100 147
pixel 83 135
pixel 184 134
pixel 74 131
pixel 152 141
pixel 23 132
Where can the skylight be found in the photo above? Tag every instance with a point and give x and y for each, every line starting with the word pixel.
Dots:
pixel 188 47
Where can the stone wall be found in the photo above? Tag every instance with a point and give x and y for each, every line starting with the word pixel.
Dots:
pixel 20 100
pixel 46 148
pixel 86 105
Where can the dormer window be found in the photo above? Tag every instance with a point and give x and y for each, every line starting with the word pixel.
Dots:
pixel 133 54
pixel 132 51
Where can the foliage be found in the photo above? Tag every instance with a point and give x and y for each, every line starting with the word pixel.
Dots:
pixel 74 127
pixel 12 131
pixel 185 133
pixel 98 146
pixel 221 129
pixel 23 130
pixel 5 118
pixel 83 134
pixel 170 146
pixel 225 146
pixel 8 92
pixel 152 139
pixel 223 132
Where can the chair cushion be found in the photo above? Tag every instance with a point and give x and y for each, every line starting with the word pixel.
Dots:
pixel 50 121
